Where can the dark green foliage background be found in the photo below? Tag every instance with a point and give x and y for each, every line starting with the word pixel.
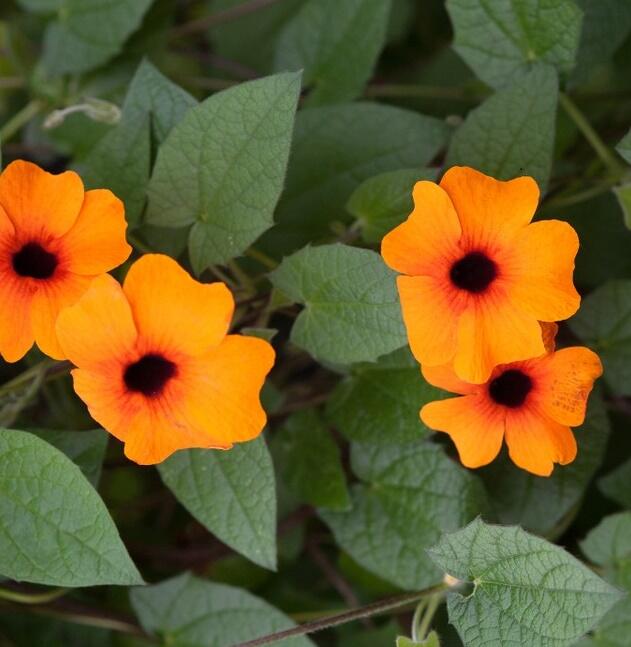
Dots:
pixel 271 144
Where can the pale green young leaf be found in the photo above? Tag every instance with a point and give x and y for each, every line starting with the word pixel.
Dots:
pixel 121 160
pixel 232 493
pixel 336 148
pixel 223 167
pixel 88 33
pixel 606 23
pixel 527 592
pixel 604 323
pixel 352 311
pixel 623 194
pixel 336 44
pixel 54 528
pixel 186 611
pixel 512 132
pixel 624 147
pixel 431 641
pixel 501 40
pixel 542 504
pixel 380 402
pixel 408 495
pixel 309 462
pixel 615 485
pixel 86 449
pixel 609 546
pixel 383 201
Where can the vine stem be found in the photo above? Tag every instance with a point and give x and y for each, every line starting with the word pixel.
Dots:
pixel 202 24
pixel 600 148
pixel 367 611
pixel 20 119
pixel 32 598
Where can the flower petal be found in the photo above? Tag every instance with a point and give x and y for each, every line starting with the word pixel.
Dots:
pixel 40 203
pixel 474 424
pixel 108 402
pixel 172 311
pixel 535 441
pixel 444 377
pixel 539 267
pixel 51 297
pixel 492 332
pixel 99 327
pixel 213 404
pixel 564 381
pixel 489 210
pixel 427 242
pixel 16 331
pixel 96 242
pixel 223 389
pixel 430 312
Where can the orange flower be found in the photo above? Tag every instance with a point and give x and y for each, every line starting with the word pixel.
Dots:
pixel 532 403
pixel 477 276
pixel 54 239
pixel 156 366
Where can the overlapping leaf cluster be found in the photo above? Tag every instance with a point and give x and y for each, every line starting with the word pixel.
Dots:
pixel 271 145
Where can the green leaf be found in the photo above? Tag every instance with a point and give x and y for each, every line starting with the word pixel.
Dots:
pixel 542 505
pixel 604 323
pixel 335 149
pixel 309 461
pixel 380 402
pixel 352 311
pixel 609 546
pixel 615 485
pixel 121 160
pixel 623 193
pixel 336 44
pixel 527 591
pixel 54 528
pixel 232 493
pixel 40 5
pixel 615 628
pixel 606 23
pixel 223 167
pixel 190 612
pixel 384 201
pixel 624 147
pixel 501 40
pixel 512 132
pixel 409 494
pixel 259 29
pixel 86 449
pixel 430 641
pixel 88 33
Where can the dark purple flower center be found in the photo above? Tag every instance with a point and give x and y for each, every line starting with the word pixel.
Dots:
pixel 510 388
pixel 149 374
pixel 34 261
pixel 473 272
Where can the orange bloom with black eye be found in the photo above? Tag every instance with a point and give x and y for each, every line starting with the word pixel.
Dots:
pixel 531 404
pixel 477 276
pixel 54 239
pixel 156 366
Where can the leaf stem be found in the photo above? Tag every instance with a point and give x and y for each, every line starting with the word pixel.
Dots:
pixel 233 13
pixel 600 148
pixel 262 258
pixel 32 598
pixel 416 619
pixel 432 605
pixel 367 611
pixel 20 119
